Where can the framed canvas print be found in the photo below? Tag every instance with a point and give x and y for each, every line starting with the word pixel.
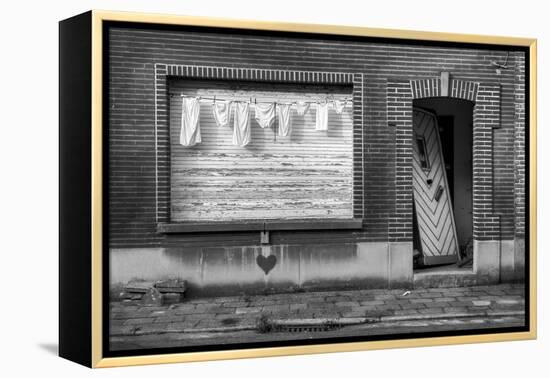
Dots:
pixel 235 189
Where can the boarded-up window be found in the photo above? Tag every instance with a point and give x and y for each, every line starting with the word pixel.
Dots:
pixel 306 175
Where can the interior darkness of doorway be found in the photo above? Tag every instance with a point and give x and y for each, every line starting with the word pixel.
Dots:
pixel 455 121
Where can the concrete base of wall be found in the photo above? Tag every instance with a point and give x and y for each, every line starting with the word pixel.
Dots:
pixel 287 268
pixel 400 265
pixel 279 268
pixel 513 260
pixel 519 259
pixel 500 260
pixel 487 260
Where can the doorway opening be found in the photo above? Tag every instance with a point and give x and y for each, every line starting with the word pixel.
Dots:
pixel 442 182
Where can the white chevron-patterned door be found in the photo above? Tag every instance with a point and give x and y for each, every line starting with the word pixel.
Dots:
pixel 433 208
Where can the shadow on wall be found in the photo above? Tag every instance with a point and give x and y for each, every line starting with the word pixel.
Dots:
pixel 256 269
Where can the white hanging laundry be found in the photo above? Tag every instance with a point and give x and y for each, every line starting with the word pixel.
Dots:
pixel 265 114
pixel 321 118
pixel 190 131
pixel 241 124
pixel 302 107
pixel 222 112
pixel 339 106
pixel 283 115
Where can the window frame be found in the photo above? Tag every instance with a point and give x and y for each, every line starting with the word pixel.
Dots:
pixel 166 72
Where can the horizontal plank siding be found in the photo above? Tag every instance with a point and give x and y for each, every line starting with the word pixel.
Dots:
pixel 307 174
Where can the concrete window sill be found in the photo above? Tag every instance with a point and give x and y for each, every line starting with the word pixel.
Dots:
pixel 260 225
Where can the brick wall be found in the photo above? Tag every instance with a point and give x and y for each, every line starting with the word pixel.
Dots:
pixel 486 216
pixel 519 146
pixel 399 113
pixel 134 182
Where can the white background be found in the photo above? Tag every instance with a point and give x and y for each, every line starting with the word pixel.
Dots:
pixel 29 189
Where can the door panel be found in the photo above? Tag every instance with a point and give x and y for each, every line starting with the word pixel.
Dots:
pixel 434 212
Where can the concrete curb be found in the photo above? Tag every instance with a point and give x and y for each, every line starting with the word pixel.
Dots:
pixel 392 318
pixel 321 321
pixel 187 330
pixel 490 314
pixel 333 321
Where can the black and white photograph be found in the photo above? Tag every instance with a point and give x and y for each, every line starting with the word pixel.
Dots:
pixel 270 188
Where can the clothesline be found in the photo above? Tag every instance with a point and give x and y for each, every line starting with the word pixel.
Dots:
pixel 265 113
pixel 215 98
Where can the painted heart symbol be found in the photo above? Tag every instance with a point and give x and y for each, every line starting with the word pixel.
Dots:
pixel 266 263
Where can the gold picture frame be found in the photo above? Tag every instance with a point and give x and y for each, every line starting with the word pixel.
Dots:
pixel 96 19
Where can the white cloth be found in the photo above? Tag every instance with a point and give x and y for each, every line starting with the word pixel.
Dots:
pixel 339 106
pixel 283 115
pixel 321 118
pixel 190 131
pixel 302 107
pixel 222 112
pixel 265 114
pixel 241 124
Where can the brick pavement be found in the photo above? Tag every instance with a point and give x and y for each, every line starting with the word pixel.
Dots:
pixel 240 313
